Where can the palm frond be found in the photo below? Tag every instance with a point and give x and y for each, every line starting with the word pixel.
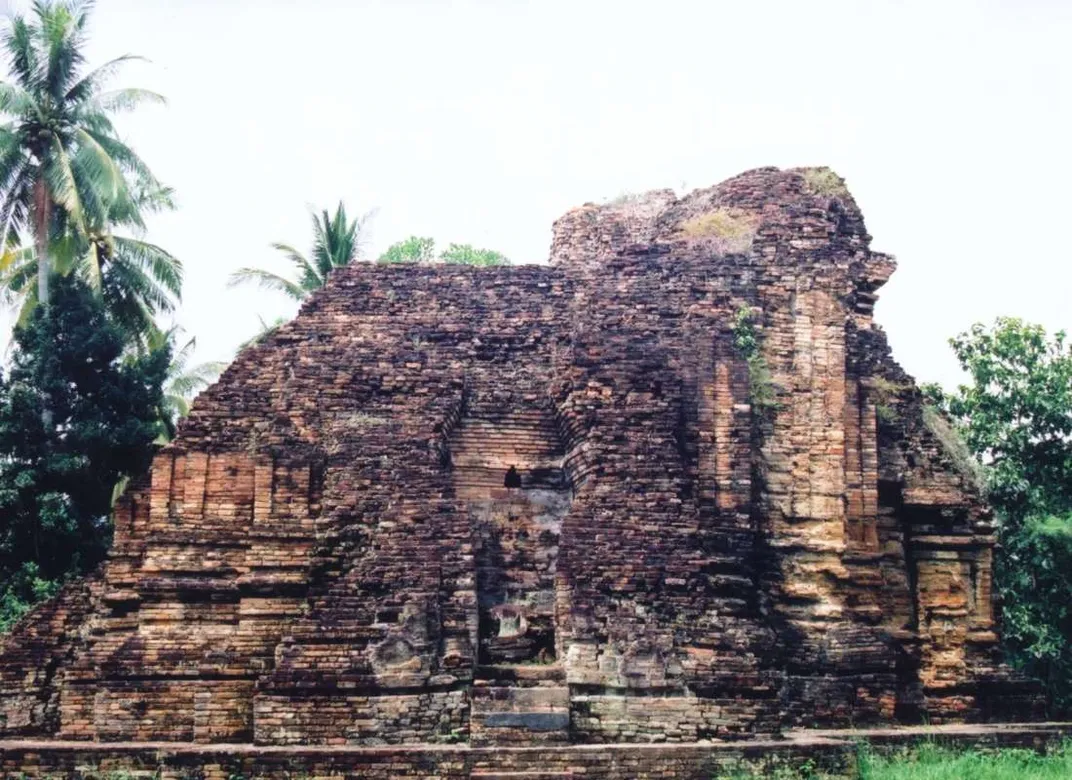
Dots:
pixel 16 101
pixel 181 356
pixel 29 303
pixel 62 183
pixel 18 40
pixel 92 264
pixel 16 181
pixel 18 283
pixel 184 383
pixel 66 250
pixel 196 378
pixel 131 315
pixel 93 82
pixel 99 164
pixel 160 264
pixel 125 157
pixel 62 28
pixel 321 255
pixel 268 281
pixel 309 277
pixel 127 99
pixel 18 271
pixel 98 199
pixel 154 198
pixel 136 282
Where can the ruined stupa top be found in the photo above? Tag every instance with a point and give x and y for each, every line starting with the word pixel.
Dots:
pixel 750 212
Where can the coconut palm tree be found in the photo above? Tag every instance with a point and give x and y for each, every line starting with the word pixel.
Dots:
pixel 137 280
pixel 63 169
pixel 337 241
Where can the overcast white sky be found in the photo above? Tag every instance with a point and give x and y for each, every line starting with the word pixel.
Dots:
pixel 481 122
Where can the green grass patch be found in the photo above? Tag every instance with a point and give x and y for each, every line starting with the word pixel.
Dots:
pixel 931 762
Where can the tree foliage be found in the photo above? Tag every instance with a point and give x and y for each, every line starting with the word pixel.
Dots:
pixel 415 249
pixel 420 250
pixel 58 476
pixel 466 254
pixel 1016 416
pixel 138 282
pixel 65 174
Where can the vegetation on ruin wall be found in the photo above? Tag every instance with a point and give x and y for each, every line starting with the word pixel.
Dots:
pixel 1015 417
pixel 747 341
pixel 724 231
pixel 823 181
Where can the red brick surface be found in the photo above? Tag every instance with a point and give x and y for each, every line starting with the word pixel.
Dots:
pixel 328 554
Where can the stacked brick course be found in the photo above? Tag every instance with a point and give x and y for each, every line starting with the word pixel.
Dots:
pixel 331 551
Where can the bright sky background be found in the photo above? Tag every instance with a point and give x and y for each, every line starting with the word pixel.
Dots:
pixel 481 122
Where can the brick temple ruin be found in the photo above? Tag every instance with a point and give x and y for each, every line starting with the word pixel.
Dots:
pixel 669 487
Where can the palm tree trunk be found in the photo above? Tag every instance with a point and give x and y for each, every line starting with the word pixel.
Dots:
pixel 40 231
pixel 44 267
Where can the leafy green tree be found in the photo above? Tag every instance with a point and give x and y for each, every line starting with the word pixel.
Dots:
pixel 1016 417
pixel 64 172
pixel 466 254
pixel 415 249
pixel 421 251
pixel 337 241
pixel 58 476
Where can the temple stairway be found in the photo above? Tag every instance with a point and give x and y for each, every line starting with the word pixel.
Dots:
pixel 522 704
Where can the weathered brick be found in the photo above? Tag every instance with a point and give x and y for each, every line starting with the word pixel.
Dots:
pixel 335 549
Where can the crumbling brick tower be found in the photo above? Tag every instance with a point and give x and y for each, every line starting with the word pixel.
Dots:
pixel 671 486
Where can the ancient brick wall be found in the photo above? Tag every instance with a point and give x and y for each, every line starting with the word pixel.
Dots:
pixel 549 504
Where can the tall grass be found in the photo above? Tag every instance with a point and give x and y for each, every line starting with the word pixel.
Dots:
pixel 931 762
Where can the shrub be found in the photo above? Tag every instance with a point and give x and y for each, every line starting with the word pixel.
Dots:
pixel 823 181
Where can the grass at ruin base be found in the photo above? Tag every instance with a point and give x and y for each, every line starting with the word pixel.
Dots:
pixel 932 762
pixel 923 760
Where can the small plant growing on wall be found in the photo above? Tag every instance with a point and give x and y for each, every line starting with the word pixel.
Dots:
pixel 725 231
pixel 884 392
pixel 823 181
pixel 747 341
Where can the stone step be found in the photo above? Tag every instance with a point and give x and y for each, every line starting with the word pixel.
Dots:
pixel 520 675
pixel 493 774
pixel 507 715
